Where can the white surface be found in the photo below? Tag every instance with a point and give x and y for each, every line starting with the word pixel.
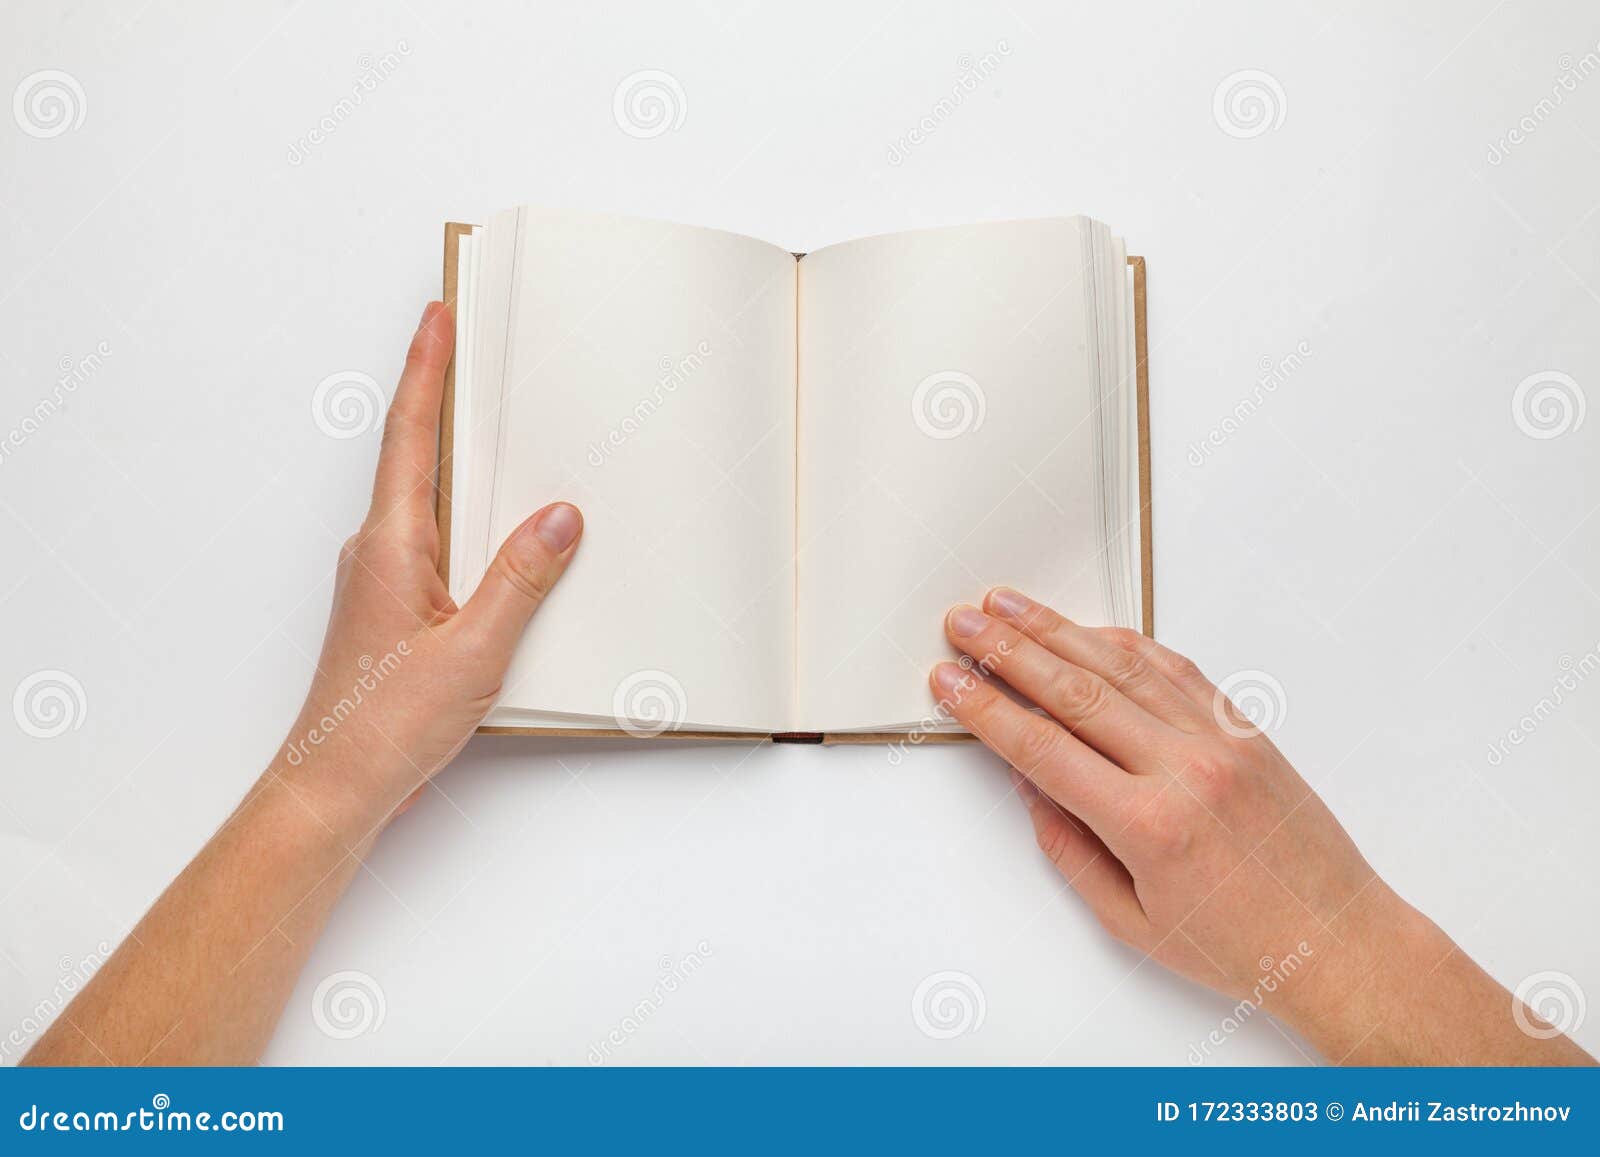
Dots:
pixel 1379 534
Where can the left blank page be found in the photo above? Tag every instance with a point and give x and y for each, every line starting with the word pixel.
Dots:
pixel 648 375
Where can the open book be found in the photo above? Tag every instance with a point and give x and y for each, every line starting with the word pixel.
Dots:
pixel 789 466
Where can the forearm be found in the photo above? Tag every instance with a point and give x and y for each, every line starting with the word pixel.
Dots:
pixel 1400 992
pixel 205 974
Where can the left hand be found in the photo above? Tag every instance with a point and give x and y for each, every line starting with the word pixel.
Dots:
pixel 405 676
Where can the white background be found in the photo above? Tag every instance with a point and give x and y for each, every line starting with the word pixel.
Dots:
pixel 1380 535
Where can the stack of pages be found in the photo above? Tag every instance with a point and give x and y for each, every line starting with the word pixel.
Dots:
pixel 789 466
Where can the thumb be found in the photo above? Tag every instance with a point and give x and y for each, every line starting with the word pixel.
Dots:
pixel 521 575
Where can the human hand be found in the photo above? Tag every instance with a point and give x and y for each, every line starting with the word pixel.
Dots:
pixel 1193 840
pixel 405 676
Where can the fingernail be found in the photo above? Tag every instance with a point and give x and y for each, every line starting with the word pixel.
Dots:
pixel 1009 602
pixel 967 621
pixel 949 678
pixel 558 526
pixel 427 314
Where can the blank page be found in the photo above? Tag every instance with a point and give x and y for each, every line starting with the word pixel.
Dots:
pixel 649 378
pixel 946 445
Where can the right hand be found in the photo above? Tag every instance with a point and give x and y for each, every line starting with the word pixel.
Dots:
pixel 1193 840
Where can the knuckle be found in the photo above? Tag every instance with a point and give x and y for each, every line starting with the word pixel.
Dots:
pixel 1038 744
pixel 1079 694
pixel 1211 776
pixel 1124 660
pixel 1184 669
pixel 527 571
pixel 1166 828
pixel 1123 638
pixel 348 549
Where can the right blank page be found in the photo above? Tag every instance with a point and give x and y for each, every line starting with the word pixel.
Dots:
pixel 949 440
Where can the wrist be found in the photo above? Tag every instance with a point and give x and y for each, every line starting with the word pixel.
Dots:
pixel 1356 997
pixel 343 787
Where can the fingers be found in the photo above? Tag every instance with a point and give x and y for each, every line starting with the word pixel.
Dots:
pixel 1084 702
pixel 1084 861
pixel 1065 768
pixel 405 484
pixel 1135 665
pixel 521 575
